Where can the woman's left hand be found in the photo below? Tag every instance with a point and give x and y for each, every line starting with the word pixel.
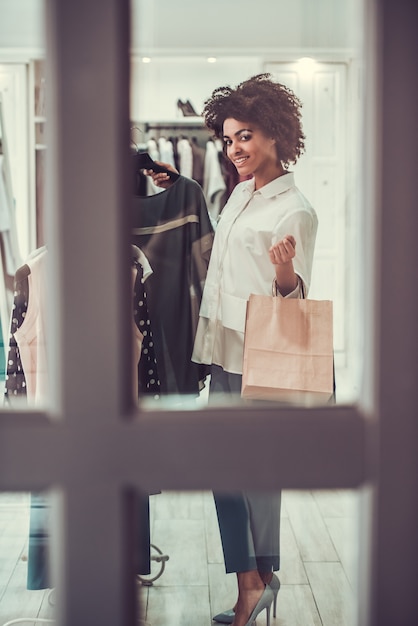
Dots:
pixel 283 251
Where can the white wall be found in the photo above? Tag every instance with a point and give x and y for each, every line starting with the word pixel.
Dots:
pixel 248 24
pixel 156 86
pixel 21 24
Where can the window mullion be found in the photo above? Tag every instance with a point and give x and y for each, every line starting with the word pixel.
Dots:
pixel 88 187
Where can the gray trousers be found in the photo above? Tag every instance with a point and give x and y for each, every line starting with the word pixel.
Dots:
pixel 249 522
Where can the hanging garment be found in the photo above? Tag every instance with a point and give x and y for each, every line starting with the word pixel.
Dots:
pixel 230 176
pixel 31 335
pixel 198 154
pixel 15 385
pixel 184 150
pixel 213 181
pixel 166 151
pixel 152 149
pixel 173 229
pixel 148 382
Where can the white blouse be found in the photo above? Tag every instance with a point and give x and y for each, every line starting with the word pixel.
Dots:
pixel 240 264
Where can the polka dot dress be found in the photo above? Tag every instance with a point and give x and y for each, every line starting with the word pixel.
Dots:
pixel 15 377
pixel 148 380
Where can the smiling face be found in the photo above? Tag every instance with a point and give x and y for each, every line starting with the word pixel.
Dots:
pixel 251 151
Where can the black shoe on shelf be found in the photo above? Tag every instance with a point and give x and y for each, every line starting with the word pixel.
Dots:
pixel 190 109
pixel 186 108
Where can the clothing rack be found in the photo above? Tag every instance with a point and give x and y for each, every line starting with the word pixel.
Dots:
pixel 189 128
pixel 167 126
pixel 182 124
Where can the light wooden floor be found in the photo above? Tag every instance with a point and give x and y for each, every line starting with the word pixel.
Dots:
pixel 318 573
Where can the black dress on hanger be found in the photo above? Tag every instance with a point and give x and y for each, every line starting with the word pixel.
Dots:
pixel 174 231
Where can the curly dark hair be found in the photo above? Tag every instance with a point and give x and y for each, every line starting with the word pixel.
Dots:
pixel 273 107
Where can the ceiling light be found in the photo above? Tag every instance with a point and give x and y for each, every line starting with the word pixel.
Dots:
pixel 306 65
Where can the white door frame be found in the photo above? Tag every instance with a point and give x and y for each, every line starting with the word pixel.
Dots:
pixel 92 449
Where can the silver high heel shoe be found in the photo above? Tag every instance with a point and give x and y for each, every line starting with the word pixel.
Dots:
pixel 264 602
pixel 274 585
pixel 227 617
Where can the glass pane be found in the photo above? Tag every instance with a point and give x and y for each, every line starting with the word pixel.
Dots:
pixel 318 554
pixel 23 119
pixel 207 234
pixel 175 69
pixel 26 588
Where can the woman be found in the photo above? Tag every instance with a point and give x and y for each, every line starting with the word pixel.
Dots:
pixel 265 234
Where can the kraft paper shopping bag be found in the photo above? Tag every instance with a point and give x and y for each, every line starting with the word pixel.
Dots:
pixel 288 350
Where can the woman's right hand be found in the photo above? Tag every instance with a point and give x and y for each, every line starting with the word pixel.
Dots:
pixel 161 179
